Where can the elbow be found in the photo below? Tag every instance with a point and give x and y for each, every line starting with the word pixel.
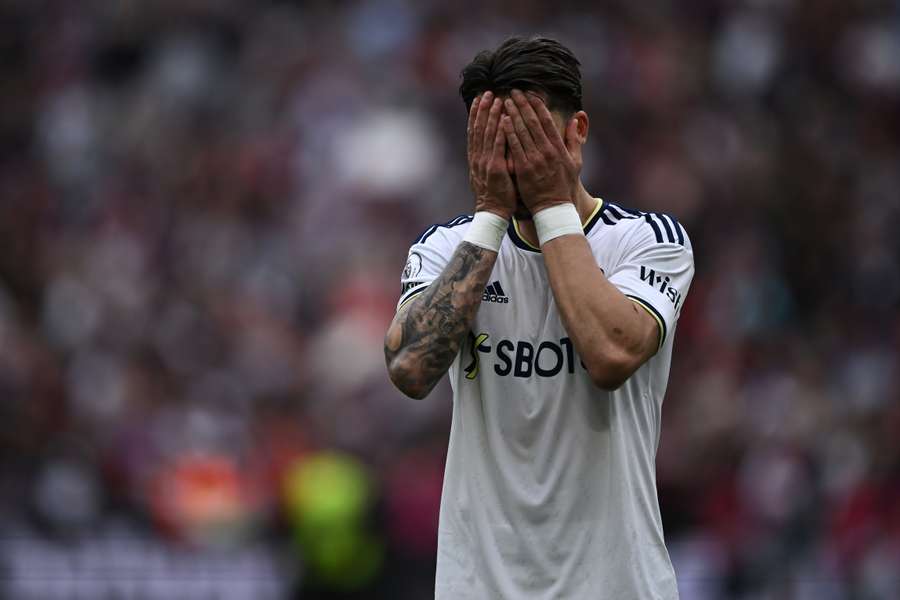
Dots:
pixel 412 391
pixel 607 381
pixel 405 378
pixel 610 372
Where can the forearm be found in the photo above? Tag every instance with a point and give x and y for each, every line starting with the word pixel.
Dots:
pixel 426 335
pixel 608 330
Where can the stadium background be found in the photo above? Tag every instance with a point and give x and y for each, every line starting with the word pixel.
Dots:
pixel 206 206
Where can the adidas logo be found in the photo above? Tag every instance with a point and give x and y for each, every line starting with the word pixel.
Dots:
pixel 494 293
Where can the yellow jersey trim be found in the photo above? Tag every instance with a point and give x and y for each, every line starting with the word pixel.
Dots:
pixel 584 225
pixel 417 291
pixel 659 323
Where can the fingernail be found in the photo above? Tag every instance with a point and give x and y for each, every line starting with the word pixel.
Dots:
pixel 487 95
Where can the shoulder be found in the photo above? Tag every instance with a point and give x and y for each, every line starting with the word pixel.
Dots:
pixel 636 228
pixel 441 234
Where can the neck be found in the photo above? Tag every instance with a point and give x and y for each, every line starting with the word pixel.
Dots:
pixel 584 204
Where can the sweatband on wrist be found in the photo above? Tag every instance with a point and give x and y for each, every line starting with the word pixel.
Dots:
pixel 561 219
pixel 487 230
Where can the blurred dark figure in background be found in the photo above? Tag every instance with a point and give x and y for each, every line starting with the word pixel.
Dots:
pixel 204 204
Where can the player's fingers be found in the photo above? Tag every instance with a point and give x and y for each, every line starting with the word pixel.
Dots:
pixel 521 130
pixel 493 122
pixel 533 123
pixel 498 155
pixel 547 123
pixel 515 144
pixel 480 120
pixel 470 126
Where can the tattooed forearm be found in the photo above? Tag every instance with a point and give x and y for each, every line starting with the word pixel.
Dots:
pixel 426 335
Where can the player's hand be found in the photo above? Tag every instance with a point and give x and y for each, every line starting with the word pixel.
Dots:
pixel 488 175
pixel 546 167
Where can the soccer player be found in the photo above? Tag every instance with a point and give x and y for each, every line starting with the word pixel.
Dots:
pixel 554 312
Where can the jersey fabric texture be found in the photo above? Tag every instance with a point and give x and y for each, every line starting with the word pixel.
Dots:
pixel 550 486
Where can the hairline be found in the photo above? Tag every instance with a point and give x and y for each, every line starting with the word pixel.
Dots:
pixel 566 104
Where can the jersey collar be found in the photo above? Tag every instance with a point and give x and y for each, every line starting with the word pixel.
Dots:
pixel 518 240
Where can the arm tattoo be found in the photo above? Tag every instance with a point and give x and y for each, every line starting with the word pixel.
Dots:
pixel 436 323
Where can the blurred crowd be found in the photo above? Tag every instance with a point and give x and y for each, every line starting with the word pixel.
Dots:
pixel 206 206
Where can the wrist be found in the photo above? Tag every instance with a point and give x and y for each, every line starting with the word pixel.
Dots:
pixel 537 207
pixel 557 220
pixel 487 230
pixel 506 215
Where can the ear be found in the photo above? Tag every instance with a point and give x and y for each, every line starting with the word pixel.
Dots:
pixel 576 134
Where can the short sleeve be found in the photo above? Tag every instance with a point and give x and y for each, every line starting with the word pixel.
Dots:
pixel 428 256
pixel 656 275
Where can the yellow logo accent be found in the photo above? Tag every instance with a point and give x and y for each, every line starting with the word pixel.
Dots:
pixel 472 369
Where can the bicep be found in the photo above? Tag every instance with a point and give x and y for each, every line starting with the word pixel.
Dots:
pixel 649 330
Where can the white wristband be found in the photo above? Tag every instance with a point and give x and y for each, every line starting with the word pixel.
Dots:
pixel 561 219
pixel 487 230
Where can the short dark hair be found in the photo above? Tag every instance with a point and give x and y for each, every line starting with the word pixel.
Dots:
pixel 536 64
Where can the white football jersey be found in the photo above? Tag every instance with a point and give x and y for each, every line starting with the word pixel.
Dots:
pixel 550 483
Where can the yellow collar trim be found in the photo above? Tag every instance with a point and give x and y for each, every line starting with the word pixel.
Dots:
pixel 583 224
